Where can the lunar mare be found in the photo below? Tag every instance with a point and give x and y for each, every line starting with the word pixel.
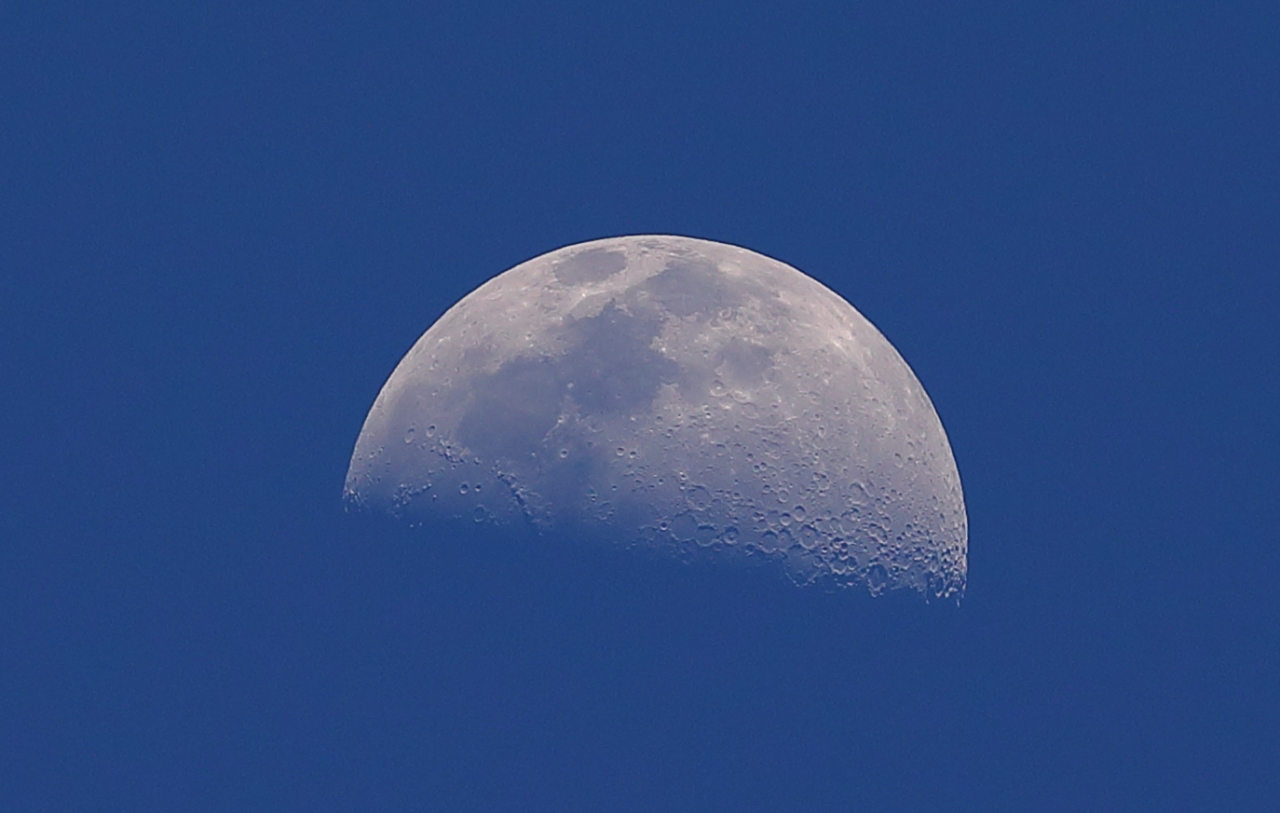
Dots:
pixel 675 394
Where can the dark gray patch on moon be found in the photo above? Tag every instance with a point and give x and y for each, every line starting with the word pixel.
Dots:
pixel 689 288
pixel 740 364
pixel 594 265
pixel 609 368
pixel 612 367
pixel 512 409
pixel 744 362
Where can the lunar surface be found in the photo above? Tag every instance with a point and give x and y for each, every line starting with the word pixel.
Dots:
pixel 679 395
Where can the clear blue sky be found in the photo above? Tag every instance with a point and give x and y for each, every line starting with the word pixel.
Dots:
pixel 222 224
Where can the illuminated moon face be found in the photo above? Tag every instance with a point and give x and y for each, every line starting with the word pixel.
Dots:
pixel 677 394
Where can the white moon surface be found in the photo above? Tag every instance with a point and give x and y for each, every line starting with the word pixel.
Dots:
pixel 675 394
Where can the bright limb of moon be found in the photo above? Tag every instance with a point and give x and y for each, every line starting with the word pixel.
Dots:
pixel 678 394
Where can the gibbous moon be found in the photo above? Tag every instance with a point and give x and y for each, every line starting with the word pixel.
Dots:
pixel 674 394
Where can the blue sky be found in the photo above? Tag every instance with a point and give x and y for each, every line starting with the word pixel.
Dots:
pixel 222 226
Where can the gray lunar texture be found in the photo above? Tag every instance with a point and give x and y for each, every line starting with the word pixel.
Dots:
pixel 674 394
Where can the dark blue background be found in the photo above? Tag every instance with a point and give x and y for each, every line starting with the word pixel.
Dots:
pixel 221 225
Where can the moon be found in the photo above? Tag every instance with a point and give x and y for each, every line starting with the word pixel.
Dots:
pixel 674 394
